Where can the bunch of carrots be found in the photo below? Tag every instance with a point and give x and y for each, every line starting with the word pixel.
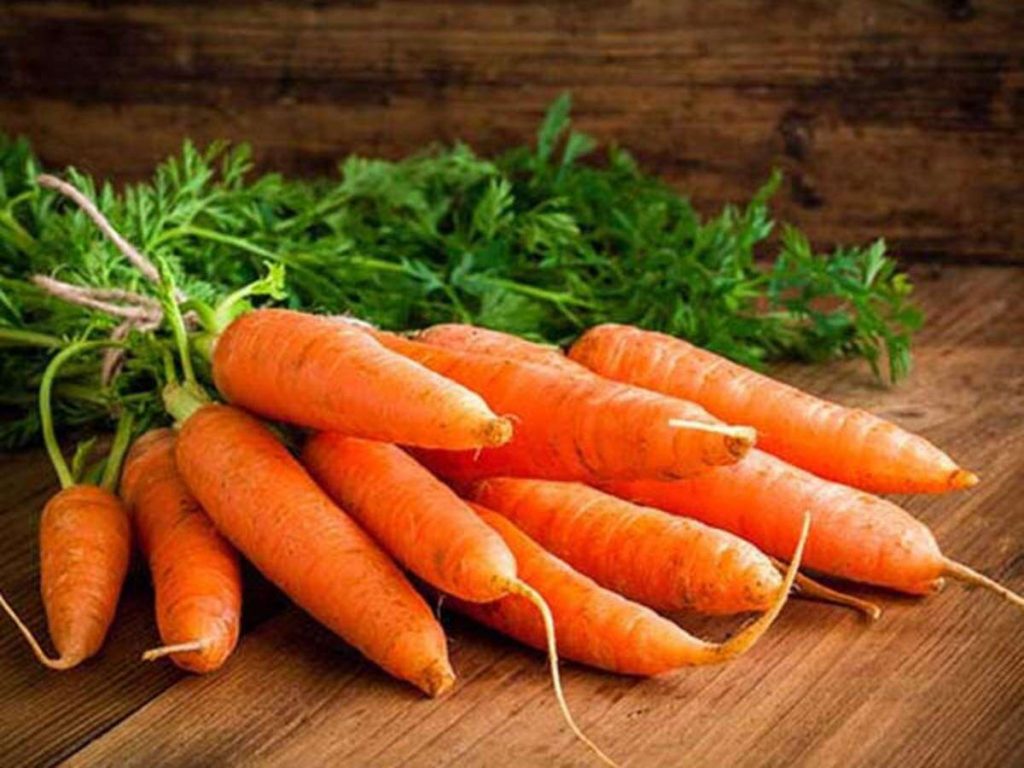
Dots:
pixel 566 500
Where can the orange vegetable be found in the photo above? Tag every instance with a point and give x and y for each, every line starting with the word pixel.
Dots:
pixel 666 562
pixel 414 516
pixel 843 444
pixel 197 580
pixel 84 543
pixel 854 535
pixel 580 427
pixel 598 627
pixel 471 338
pixel 326 373
pixel 263 501
pixel 79 592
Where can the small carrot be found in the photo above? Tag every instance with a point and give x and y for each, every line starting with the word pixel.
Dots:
pixel 197 580
pixel 483 341
pixel 84 543
pixel 325 373
pixel 854 535
pixel 426 527
pixel 599 627
pixel 847 445
pixel 666 562
pixel 581 427
pixel 262 500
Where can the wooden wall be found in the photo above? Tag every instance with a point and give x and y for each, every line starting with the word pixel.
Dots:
pixel 896 118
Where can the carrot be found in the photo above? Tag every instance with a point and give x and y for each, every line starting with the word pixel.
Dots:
pixel 327 374
pixel 84 544
pixel 598 627
pixel 854 535
pixel 665 562
pixel 581 427
pixel 262 500
pixel 414 516
pixel 197 580
pixel 471 338
pixel 427 528
pixel 846 445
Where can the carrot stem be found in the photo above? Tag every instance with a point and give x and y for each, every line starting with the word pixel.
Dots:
pixel 967 575
pixel 46 407
pixel 166 650
pixel 37 649
pixel 815 590
pixel 122 437
pixel 526 591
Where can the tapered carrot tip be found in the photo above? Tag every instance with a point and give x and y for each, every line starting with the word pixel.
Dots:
pixel 497 432
pixel 961 572
pixel 437 679
pixel 962 479
pixel 743 437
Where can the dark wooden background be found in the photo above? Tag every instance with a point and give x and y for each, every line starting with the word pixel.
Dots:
pixel 896 118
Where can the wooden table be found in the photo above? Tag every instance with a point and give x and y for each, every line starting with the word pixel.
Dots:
pixel 936 682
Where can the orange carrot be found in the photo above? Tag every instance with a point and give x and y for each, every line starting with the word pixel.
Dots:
pixel 846 445
pixel 471 338
pixel 197 580
pixel 84 544
pixel 598 627
pixel 325 373
pixel 427 528
pixel 263 501
pixel 854 535
pixel 414 516
pixel 666 562
pixel 580 427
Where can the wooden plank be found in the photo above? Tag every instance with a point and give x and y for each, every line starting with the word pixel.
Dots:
pixel 938 682
pixel 895 119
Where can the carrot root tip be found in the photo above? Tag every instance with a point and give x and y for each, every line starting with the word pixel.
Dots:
pixel 193 646
pixel 962 479
pixel 437 679
pixel 59 663
pixel 961 572
pixel 497 432
pixel 524 590
pixel 740 436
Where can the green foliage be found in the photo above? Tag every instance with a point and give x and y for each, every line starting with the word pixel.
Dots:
pixel 533 242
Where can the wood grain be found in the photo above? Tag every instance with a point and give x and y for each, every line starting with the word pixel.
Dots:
pixel 936 682
pixel 901 119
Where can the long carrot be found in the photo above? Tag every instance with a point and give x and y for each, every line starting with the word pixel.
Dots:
pixel 598 627
pixel 263 501
pixel 847 445
pixel 328 374
pixel 426 527
pixel 666 562
pixel 854 535
pixel 472 338
pixel 581 427
pixel 84 544
pixel 196 576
